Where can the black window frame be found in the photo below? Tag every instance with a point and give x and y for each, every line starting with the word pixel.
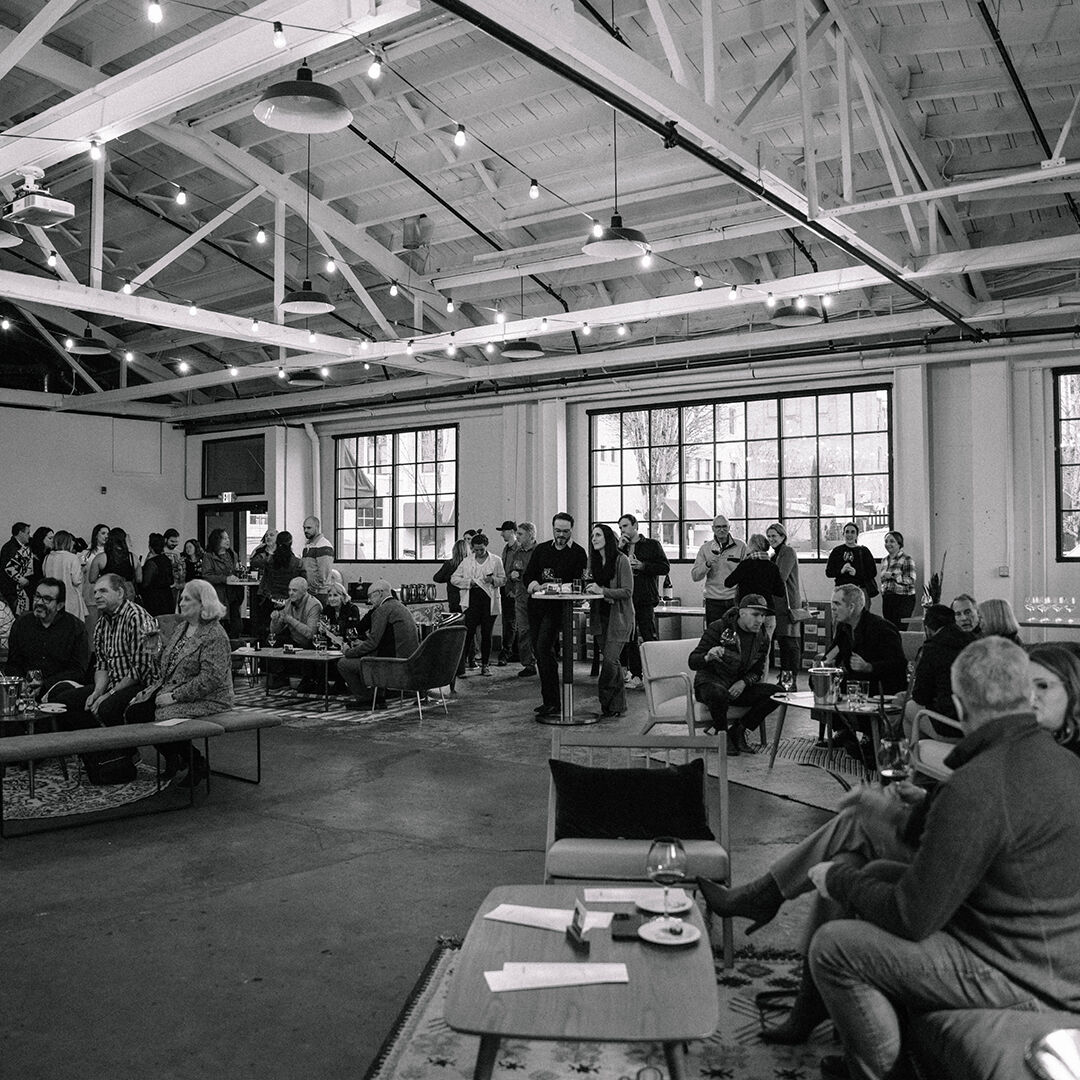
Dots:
pixel 206 494
pixel 1059 465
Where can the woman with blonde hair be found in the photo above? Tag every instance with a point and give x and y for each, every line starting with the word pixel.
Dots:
pixel 63 564
pixel 195 675
pixel 996 618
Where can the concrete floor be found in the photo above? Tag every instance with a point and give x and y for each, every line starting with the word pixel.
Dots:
pixel 275 931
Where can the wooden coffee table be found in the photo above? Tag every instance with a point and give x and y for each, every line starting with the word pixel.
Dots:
pixel 671 996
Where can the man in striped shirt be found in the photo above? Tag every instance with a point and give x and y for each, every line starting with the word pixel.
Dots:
pixel 127 644
pixel 317 559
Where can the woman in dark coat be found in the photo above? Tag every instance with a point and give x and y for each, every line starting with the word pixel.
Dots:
pixel 852 564
pixel 219 564
pixel 788 630
pixel 156 579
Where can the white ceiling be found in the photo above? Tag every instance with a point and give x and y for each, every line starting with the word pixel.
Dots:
pixel 889 99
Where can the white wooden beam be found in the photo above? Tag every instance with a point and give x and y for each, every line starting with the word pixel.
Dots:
pixel 803 68
pixel 658 9
pixel 53 344
pixel 355 284
pixel 97 222
pixel 710 61
pixel 33 32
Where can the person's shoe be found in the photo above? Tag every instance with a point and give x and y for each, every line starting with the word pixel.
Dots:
pixel 738 733
pixel 547 710
pixel 759 900
pixel 606 715
pixel 834 1067
pixel 501 662
pixel 807 1011
pixel 732 746
pixel 309 686
pixel 526 672
pixel 470 663
pixel 636 683
pixel 198 773
pixel 485 670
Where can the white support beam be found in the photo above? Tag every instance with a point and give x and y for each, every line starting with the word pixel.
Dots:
pixel 53 344
pixel 803 68
pixel 190 241
pixel 355 284
pixel 843 76
pixel 658 9
pixel 97 222
pixel 710 64
pixel 33 32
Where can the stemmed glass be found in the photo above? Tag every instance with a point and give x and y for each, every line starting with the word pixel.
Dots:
pixel 271 638
pixel 666 865
pixel 36 681
pixel 787 681
pixel 894 759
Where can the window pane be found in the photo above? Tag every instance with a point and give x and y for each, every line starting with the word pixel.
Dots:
pixel 405 446
pixel 384 481
pixel 797 500
pixel 800 457
pixel 605 467
pixel 446 443
pixel 1070 487
pixel 345 544
pixel 632 501
pixel 871 453
pixel 365 543
pixel 406 542
pixel 635 465
pixel 607 504
pixel 836 500
pixel 346 453
pixel 383 549
pixel 427 445
pixel 870 411
pixel 730 422
pixel 700 504
pixel 635 429
pixel 1070 442
pixel 761 458
pixel 1070 535
pixel 764 499
pixel 872 501
pixel 663 464
pixel 834 455
pixel 697 422
pixel 663 427
pixel 761 419
pixel 404 480
pixel 802 535
pixel 834 413
pixel 384 449
pixel 446 477
pixel 605 432
pixel 731 501
pixel 800 416
pixel 730 461
pixel 444 543
pixel 697 463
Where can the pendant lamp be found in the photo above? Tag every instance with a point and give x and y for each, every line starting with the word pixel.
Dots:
pixel 88 345
pixel 303 105
pixel 790 315
pixel 9 239
pixel 306 300
pixel 616 241
pixel 522 348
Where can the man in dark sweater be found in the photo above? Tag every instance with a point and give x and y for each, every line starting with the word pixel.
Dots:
pixel 393 633
pixel 49 639
pixel 987 916
pixel 866 646
pixel 559 559
pixel 649 563
pixel 931 685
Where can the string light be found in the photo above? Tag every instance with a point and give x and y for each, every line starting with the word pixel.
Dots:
pixel 800 303
pixel 597 229
pixel 5 323
pixel 129 356
pixel 646 259
pixel 451 348
pixel 534 190
pixel 449 305
pixel 621 329
pixel 95 150
pixel 500 315
pixel 181 197
pixel 409 349
pixel 699 282
pixel 459 135
pixel 331 266
pixel 586 329
pixel 324 372
pixel 127 289
pixel 51 260
pixel 311 337
pixel 69 343
pixel 770 301
pixel 489 348
pixel 281 372
pixel 260 236
pixel 544 323
pixel 394 288
pixel 192 309
pixel 234 371
pixel 367 366
pixel 733 293
pixel 183 367
pixel 375 70
pixel 826 300
pixel 365 344
pixel 279 36
pixel 154 12
pixel 254 326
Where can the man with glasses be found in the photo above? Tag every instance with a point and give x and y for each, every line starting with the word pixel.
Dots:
pixel 558 559
pixel 49 639
pixel 393 633
pixel 716 559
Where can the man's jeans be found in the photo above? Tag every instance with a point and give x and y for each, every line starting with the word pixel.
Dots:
pixel 868 977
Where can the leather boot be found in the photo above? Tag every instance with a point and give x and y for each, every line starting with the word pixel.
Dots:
pixel 806 1013
pixel 737 734
pixel 732 746
pixel 760 900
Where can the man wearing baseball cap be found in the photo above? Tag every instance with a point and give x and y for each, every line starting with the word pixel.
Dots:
pixel 508 649
pixel 730 662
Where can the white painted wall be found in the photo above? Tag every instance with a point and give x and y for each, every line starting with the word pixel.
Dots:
pixel 56 465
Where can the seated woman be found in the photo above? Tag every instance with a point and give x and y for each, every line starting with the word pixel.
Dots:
pixel 340 623
pixel 881 824
pixel 996 617
pixel 195 676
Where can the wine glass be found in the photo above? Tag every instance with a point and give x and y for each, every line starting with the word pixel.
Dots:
pixel 34 678
pixel 666 865
pixel 787 681
pixel 894 760
pixel 728 637
pixel 271 637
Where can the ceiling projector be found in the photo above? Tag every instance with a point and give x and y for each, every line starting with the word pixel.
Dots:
pixel 33 205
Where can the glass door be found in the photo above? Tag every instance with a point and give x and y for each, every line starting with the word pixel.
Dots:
pixel 245 522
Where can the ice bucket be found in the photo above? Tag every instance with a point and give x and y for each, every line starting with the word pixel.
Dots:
pixel 9 695
pixel 825 682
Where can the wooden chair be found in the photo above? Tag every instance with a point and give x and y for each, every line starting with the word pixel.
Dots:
pixel 928 752
pixel 433 665
pixel 619 857
pixel 669 688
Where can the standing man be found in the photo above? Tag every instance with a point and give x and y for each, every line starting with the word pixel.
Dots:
pixel 987 916
pixel 648 562
pixel 176 557
pixel 393 633
pixel 317 559
pixel 556 559
pixel 49 639
pixel 515 568
pixel 716 558
pixel 16 569
pixel 730 664
pixel 508 649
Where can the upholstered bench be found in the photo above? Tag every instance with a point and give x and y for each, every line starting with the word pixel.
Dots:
pixel 245 721
pixel 45 744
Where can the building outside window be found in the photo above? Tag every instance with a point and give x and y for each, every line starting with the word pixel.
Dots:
pixel 395 495
pixel 813 461
pixel 1067 462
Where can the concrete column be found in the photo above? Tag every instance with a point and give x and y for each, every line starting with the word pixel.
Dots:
pixel 912 468
pixel 549 463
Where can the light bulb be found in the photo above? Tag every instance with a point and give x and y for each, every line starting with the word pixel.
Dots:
pixel 254 326
pixel 646 259
pixel 451 349
pixel 95 150
pixel 192 310
pixel 826 300
pixel 770 301
pixel 449 305
pixel 127 288
pixel 365 344
pixel 181 197
pixel 375 70
pixel 260 236
pixel 5 323
pixel 281 372
pixel 409 349
pixel 234 371
pixel 621 329
pixel 699 282
pixel 534 190
pixel 279 36
pixel 733 292
pixel 500 315
pixel 367 366
pixel 459 135
pixel 51 260
pixel 800 303
pixel 489 348
pixel 586 329
pixel 544 323
pixel 393 288
pixel 324 372
pixel 154 12
pixel 331 266
pixel 597 229
pixel 311 337
pixel 69 342
pixel 183 367
pixel 129 356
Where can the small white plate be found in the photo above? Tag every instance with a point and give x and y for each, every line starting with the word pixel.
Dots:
pixel 53 707
pixel 655 904
pixel 659 932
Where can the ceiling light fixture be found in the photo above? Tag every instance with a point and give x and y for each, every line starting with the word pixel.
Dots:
pixel 699 282
pixel 534 190
pixel 307 300
pixel 279 36
pixel 303 105
pixel 95 150
pixel 9 239
pixel 800 313
pixel 616 241
pixel 154 12
pixel 522 348
pixel 375 70
pixel 87 345
pixel 394 288
pixel 459 135
pixel 260 236
pixel 183 367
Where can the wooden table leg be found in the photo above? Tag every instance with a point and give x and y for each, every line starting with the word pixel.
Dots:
pixel 673 1053
pixel 780 717
pixel 485 1057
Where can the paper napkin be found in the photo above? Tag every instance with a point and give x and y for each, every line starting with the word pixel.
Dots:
pixel 537 976
pixel 546 918
pixel 676 897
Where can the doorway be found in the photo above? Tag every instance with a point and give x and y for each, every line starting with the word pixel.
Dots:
pixel 245 522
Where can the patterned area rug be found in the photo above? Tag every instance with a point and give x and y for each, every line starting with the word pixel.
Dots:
pixel 55 797
pixel 422 1047
pixel 306 710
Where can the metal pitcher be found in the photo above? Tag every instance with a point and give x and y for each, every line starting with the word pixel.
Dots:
pixel 10 695
pixel 825 682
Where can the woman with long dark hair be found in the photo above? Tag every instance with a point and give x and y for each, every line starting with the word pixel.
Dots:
pixel 281 567
pixel 193 557
pixel 115 559
pixel 789 607
pixel 1055 690
pixel 156 579
pixel 41 543
pixel 612 616
pixel 219 564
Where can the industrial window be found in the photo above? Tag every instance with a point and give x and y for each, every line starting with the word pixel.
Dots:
pixel 234 465
pixel 395 495
pixel 1067 462
pixel 812 461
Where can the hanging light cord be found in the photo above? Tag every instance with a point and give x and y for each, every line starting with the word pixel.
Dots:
pixel 307 216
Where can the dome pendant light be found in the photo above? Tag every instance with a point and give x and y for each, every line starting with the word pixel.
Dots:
pixel 303 105
pixel 801 312
pixel 617 241
pixel 522 348
pixel 306 300
pixel 87 345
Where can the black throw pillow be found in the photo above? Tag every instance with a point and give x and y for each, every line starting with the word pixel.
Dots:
pixel 629 804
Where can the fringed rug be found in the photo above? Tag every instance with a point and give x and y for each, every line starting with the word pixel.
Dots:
pixel 55 797
pixel 422 1047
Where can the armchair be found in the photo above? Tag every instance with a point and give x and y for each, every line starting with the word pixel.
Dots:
pixel 610 795
pixel 928 750
pixel 433 665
